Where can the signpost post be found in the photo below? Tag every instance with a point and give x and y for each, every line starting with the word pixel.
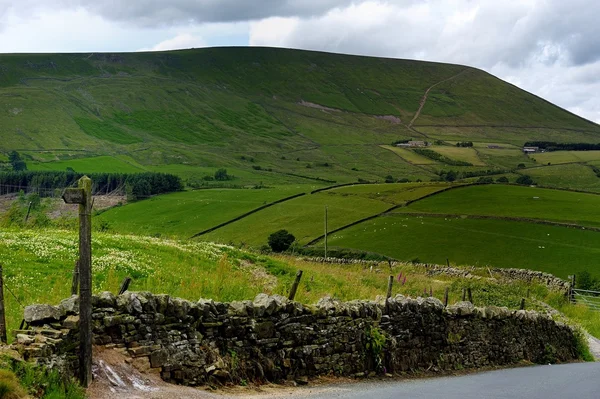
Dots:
pixel 82 195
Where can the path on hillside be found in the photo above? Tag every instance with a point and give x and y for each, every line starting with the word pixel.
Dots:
pixel 424 98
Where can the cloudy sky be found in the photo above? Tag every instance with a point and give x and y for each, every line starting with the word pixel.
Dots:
pixel 548 47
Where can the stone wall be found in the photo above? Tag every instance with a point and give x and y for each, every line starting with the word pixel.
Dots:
pixel 271 338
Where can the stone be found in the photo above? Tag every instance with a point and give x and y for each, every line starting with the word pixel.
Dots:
pixel 71 322
pixel 35 314
pixel 238 308
pixel 23 339
pixel 70 305
pixel 106 299
pixel 462 309
pixel 159 358
pixel 302 380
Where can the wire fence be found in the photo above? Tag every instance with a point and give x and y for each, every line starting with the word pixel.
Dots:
pixel 586 297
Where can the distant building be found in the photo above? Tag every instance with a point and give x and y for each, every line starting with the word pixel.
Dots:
pixel 413 144
pixel 529 150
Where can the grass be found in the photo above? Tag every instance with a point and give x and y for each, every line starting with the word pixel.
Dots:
pixel 557 250
pixel 100 164
pixel 560 157
pixel 410 156
pixel 572 176
pixel 514 201
pixel 304 216
pixel 195 110
pixel 463 154
pixel 187 213
pixel 38 266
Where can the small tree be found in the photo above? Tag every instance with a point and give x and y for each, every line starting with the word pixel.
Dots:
pixel 18 164
pixel 502 179
pixel 221 175
pixel 281 240
pixel 389 179
pixel 525 180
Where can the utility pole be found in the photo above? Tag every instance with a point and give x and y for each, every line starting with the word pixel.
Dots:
pixel 325 232
pixel 82 195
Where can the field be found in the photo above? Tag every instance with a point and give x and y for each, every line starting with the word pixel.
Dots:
pixel 559 157
pixel 304 216
pixel 410 156
pixel 186 213
pixel 557 250
pixel 464 154
pixel 101 164
pixel 38 268
pixel 514 201
pixel 571 176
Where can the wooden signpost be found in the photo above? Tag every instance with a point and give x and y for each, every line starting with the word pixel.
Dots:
pixel 82 195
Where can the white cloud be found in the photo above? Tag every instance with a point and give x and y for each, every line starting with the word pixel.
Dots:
pixel 181 41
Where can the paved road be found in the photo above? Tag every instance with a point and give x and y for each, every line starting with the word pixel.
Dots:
pixel 577 381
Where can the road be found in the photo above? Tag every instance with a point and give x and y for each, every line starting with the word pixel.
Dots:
pixel 580 381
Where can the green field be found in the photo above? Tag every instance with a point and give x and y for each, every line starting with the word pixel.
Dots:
pixel 187 213
pixel 557 250
pixel 101 164
pixel 571 176
pixel 304 216
pixel 410 156
pixel 514 201
pixel 464 154
pixel 558 157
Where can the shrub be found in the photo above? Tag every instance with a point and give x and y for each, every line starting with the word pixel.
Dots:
pixel 281 240
pixel 525 180
pixel 9 386
pixel 521 166
pixel 502 179
pixel 389 179
pixel 221 175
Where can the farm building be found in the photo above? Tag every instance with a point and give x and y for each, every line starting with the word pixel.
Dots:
pixel 413 144
pixel 529 150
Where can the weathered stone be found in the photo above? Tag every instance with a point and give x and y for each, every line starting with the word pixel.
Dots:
pixel 70 305
pixel 42 313
pixel 159 358
pixel 23 339
pixel 106 299
pixel 71 322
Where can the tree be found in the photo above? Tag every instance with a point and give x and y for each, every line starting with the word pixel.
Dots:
pixel 502 179
pixel 18 164
pixel 521 166
pixel 281 240
pixel 389 179
pixel 221 175
pixel 585 281
pixel 525 180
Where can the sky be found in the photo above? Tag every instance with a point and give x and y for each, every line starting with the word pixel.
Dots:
pixel 548 47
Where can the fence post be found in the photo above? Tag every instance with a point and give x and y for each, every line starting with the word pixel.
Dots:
pixel 75 282
pixel 82 195
pixel 124 285
pixel 470 295
pixel 448 262
pixel 295 285
pixel 446 296
pixel 522 304
pixel 2 311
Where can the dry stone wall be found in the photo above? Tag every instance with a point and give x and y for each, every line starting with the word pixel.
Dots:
pixel 271 338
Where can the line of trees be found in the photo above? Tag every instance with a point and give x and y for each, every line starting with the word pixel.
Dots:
pixel 553 146
pixel 134 185
pixel 439 157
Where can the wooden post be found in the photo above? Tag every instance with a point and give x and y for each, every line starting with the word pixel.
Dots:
pixel 124 285
pixel 2 315
pixel 522 304
pixel 325 232
pixel 82 195
pixel 295 285
pixel 448 262
pixel 446 296
pixel 470 295
pixel 75 282
pixel 388 295
pixel 28 211
pixel 464 297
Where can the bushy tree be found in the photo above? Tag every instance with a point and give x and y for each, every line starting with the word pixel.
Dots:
pixel 221 175
pixel 502 179
pixel 281 240
pixel 525 180
pixel 17 163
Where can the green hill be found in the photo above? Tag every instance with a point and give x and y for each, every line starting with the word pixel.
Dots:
pixel 271 115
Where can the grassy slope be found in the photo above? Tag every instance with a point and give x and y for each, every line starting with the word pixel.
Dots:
pixel 514 201
pixel 187 213
pixel 38 266
pixel 207 108
pixel 557 250
pixel 304 216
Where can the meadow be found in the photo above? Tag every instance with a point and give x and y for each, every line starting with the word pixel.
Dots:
pixel 559 157
pixel 184 214
pixel 464 154
pixel 38 267
pixel 480 242
pixel 514 201
pixel 304 216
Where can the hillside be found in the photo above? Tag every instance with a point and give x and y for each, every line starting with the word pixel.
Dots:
pixel 268 115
